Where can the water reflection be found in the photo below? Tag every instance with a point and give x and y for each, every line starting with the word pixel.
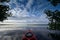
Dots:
pixel 55 36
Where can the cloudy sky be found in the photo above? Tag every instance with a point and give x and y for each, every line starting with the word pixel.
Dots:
pixel 29 11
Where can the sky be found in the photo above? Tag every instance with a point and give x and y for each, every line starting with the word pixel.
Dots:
pixel 29 11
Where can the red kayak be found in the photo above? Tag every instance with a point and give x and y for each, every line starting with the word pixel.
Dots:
pixel 29 36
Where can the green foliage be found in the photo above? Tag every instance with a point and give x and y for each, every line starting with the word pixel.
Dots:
pixel 54 2
pixel 4 11
pixel 54 18
pixel 4 0
pixel 48 12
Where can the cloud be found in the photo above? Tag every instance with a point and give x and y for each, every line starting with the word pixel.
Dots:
pixel 41 20
pixel 24 11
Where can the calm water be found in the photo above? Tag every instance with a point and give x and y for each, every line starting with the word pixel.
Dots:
pixel 4 27
pixel 40 30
